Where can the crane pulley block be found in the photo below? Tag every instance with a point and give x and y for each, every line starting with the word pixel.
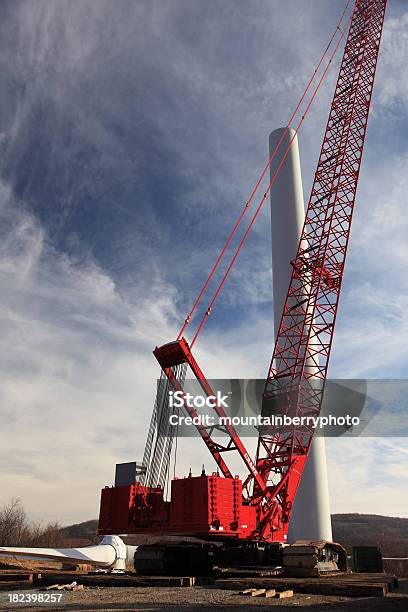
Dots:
pixel 172 354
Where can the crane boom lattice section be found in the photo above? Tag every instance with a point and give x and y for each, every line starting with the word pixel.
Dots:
pixel 295 381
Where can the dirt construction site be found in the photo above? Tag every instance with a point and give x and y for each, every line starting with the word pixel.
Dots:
pixel 205 598
pixel 42 586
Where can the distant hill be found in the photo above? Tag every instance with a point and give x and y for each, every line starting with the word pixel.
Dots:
pixel 387 532
pixel 80 534
pixel 88 529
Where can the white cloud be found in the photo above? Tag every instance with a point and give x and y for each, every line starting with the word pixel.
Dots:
pixel 374 304
pixel 77 371
pixel 78 375
pixel 393 90
pixel 368 475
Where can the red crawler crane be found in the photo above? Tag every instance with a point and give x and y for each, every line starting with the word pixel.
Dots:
pixel 259 508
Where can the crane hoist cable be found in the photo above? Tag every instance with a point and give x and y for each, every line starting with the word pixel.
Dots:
pixel 339 32
pixel 157 460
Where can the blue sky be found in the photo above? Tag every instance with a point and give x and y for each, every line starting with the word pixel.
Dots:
pixel 130 135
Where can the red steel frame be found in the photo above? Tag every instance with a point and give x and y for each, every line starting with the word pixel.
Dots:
pixel 300 359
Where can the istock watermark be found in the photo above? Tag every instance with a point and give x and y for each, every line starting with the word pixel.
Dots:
pixel 349 407
pixel 206 420
pixel 178 399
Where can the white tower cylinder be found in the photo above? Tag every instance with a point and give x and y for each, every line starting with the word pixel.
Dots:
pixel 311 511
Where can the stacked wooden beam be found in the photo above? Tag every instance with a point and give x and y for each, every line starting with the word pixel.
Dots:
pixel 347 585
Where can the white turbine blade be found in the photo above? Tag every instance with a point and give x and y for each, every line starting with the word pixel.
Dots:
pixel 103 555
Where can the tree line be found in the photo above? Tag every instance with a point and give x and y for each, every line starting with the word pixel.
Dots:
pixel 17 530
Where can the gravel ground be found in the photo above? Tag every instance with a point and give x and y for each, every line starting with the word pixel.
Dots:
pixel 204 598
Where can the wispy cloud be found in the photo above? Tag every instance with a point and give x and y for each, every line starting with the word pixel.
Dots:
pixel 75 362
pixel 78 375
pixel 374 320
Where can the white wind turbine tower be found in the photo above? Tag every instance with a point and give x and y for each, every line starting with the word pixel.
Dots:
pixel 311 511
